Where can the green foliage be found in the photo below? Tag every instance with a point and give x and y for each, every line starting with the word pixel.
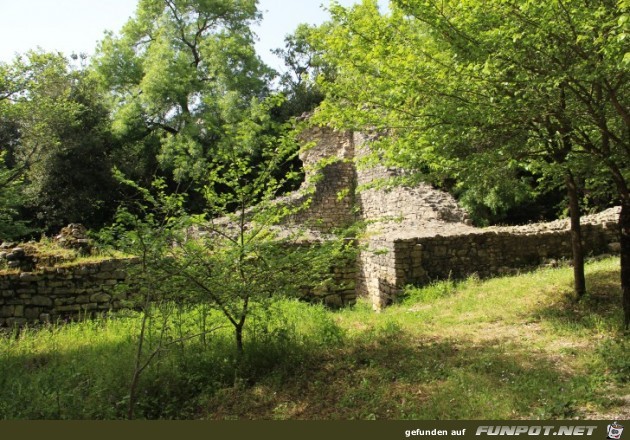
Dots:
pixel 11 198
pixel 234 256
pixel 615 354
pixel 177 72
pixel 430 293
pixel 82 370
pixel 304 64
pixel 57 141
pixel 490 95
pixel 462 356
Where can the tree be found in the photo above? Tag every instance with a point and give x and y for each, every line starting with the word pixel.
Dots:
pixel 233 258
pixel 483 91
pixel 175 71
pixel 11 185
pixel 304 64
pixel 11 198
pixel 57 140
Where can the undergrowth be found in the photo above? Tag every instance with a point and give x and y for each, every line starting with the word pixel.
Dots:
pixel 508 348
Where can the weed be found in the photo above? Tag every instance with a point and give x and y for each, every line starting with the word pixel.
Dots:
pixel 506 348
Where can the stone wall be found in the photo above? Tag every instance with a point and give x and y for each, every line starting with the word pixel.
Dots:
pixel 341 291
pixel 414 235
pixel 417 234
pixel 388 207
pixel 51 294
pixel 60 293
pixel 330 178
pixel 493 251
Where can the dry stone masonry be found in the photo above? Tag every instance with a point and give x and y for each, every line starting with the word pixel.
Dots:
pixel 330 179
pixel 418 234
pixel 58 293
pixel 414 235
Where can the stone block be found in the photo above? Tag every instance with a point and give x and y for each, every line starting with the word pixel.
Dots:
pixel 334 301
pixel 100 298
pixel 89 307
pixel 65 301
pixel 28 292
pixel 82 299
pixel 43 301
pixel 7 311
pixel 32 313
pixel 30 277
pixel 68 308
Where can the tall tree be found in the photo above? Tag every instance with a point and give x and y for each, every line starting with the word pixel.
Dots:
pixel 175 71
pixel 67 146
pixel 55 135
pixel 303 65
pixel 485 90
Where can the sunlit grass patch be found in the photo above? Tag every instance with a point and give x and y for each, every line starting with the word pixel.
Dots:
pixel 515 347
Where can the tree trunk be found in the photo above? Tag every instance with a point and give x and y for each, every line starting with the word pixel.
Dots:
pixel 624 239
pixel 576 236
pixel 624 230
pixel 238 331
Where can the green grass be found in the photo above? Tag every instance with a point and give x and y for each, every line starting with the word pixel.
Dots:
pixel 507 348
pixel 51 253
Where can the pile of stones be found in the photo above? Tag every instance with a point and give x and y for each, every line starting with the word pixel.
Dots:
pixel 74 236
pixel 15 257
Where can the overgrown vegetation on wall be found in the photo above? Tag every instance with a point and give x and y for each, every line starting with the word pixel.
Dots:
pixel 174 143
pixel 452 350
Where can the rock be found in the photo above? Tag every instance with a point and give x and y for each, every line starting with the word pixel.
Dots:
pixel 42 301
pixel 16 254
pixel 74 236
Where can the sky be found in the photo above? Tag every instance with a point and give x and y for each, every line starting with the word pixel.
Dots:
pixel 75 26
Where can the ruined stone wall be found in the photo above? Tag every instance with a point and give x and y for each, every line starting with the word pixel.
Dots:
pixel 416 234
pixel 377 275
pixel 59 293
pixel 341 291
pixel 388 208
pixel 392 211
pixel 53 294
pixel 328 189
pixel 494 251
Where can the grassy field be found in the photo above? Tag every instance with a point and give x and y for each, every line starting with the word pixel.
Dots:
pixel 507 348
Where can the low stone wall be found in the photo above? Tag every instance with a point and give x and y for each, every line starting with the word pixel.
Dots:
pixel 341 291
pixel 60 293
pixel 485 252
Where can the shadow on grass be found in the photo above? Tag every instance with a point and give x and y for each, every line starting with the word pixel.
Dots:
pixel 602 305
pixel 92 382
pixel 397 377
pixel 382 373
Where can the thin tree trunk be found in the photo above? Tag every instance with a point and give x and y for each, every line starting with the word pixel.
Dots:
pixel 239 339
pixel 576 236
pixel 624 239
pixel 137 370
pixel 624 229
